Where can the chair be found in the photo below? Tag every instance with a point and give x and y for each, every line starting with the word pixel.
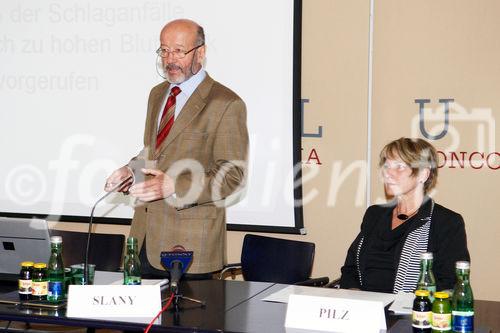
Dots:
pixel 105 252
pixel 268 259
pixel 333 284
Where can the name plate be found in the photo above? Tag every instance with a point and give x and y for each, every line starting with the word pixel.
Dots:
pixel 334 314
pixel 128 303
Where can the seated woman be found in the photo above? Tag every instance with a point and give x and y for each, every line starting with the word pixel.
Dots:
pixel 385 256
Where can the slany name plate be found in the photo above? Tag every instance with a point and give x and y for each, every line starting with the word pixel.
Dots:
pixel 114 302
pixel 334 314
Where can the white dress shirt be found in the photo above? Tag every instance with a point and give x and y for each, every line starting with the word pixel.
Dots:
pixel 187 89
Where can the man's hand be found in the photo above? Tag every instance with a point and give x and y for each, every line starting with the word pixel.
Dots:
pixel 117 177
pixel 160 186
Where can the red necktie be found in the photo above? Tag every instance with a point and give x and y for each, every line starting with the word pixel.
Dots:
pixel 167 117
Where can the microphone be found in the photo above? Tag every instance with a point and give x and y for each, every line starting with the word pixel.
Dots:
pixel 176 262
pixel 135 166
pixel 89 232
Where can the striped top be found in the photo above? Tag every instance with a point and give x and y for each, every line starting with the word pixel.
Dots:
pixel 408 270
pixel 433 229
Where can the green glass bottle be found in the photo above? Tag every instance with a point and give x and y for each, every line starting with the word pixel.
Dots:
pixel 55 271
pixel 132 265
pixel 426 280
pixel 462 302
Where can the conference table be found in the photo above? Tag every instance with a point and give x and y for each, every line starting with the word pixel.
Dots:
pixel 230 306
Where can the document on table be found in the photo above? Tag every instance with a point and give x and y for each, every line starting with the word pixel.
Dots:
pixel 403 303
pixel 282 295
pixel 116 278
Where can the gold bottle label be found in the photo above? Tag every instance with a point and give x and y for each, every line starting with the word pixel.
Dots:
pixel 25 286
pixel 40 288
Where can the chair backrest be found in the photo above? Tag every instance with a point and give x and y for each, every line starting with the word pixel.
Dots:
pixel 105 252
pixel 269 259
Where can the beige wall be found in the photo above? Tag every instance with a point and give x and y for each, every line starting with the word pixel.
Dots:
pixel 422 49
pixel 435 50
pixel 334 79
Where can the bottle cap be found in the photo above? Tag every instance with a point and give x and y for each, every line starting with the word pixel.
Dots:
pixel 131 240
pixel 426 255
pixel 421 293
pixel 27 263
pixel 462 265
pixel 40 265
pixel 56 239
pixel 441 294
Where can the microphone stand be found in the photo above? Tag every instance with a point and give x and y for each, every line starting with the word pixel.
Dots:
pixel 86 263
pixel 174 289
pixel 178 296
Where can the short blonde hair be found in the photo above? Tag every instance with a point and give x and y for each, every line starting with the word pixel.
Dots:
pixel 418 154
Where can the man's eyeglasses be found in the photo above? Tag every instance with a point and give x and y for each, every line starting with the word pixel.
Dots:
pixel 176 53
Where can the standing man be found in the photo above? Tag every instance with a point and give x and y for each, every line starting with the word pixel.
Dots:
pixel 197 137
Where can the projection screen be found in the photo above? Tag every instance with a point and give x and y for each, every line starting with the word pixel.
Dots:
pixel 74 82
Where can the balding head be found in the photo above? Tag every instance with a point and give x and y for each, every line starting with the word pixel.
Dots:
pixel 182 36
pixel 188 27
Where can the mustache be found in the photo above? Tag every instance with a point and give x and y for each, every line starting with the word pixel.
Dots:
pixel 173 66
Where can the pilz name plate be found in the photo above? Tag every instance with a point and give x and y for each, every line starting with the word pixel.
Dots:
pixel 334 314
